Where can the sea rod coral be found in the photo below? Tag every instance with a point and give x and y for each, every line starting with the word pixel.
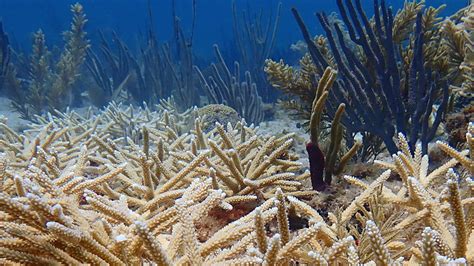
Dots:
pixel 387 85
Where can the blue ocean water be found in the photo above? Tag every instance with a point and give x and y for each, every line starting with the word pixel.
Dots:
pixel 128 18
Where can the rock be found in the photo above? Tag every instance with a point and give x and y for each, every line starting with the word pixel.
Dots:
pixel 220 113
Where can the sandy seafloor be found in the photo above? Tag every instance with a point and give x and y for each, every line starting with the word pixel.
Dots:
pixel 10 117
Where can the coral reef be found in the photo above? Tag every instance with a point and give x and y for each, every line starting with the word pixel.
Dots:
pixel 255 40
pixel 79 172
pixel 152 179
pixel 379 92
pixel 122 187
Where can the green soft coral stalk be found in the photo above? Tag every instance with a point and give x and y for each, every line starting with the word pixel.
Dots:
pixel 70 62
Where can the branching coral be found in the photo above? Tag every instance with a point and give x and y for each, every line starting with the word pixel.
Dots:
pixel 370 77
pixel 91 207
pixel 124 187
pixel 135 186
pixel 425 199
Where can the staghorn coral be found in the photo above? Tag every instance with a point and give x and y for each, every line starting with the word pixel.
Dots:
pixel 123 187
pixel 426 198
pixel 103 184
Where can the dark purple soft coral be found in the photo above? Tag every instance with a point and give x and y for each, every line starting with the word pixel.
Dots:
pixel 316 166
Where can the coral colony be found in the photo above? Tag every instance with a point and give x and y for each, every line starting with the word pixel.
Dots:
pixel 167 163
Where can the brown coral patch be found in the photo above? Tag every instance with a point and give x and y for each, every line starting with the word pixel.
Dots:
pixel 456 125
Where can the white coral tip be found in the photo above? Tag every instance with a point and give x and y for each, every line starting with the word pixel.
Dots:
pixel 120 238
pixel 359 138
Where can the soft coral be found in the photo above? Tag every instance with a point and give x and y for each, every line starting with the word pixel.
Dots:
pixel 316 166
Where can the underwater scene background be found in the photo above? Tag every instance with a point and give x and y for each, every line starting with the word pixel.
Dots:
pixel 128 18
pixel 207 132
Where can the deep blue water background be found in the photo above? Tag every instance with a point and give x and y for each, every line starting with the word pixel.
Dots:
pixel 129 18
